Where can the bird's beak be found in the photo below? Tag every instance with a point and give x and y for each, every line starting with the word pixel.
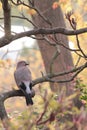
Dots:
pixel 27 63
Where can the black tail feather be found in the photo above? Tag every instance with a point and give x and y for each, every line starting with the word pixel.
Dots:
pixel 30 86
pixel 28 99
pixel 27 96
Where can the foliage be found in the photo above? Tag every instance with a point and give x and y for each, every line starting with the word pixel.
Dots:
pixel 83 89
pixel 51 111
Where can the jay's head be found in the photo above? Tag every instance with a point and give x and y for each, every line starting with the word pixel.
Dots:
pixel 22 64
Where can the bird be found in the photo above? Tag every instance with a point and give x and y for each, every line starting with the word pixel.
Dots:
pixel 23 79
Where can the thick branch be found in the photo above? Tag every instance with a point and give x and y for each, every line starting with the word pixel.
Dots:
pixel 4 41
pixel 51 31
pixel 7 18
pixel 3 113
pixel 3 97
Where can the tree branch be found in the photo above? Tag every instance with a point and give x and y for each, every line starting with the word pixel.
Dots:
pixel 4 41
pixel 48 77
pixel 3 97
pixel 51 31
pixel 7 18
pixel 6 95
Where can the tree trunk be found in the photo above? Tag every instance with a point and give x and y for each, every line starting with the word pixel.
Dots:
pixel 64 59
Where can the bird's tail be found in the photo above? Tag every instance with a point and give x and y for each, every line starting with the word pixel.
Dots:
pixel 27 95
pixel 28 99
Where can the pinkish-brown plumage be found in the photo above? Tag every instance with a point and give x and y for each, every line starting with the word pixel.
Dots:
pixel 23 80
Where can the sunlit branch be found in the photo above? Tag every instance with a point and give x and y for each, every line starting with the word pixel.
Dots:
pixel 78 60
pixel 79 54
pixel 78 44
pixel 73 24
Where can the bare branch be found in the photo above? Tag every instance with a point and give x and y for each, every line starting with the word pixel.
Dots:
pixel 67 80
pixel 78 44
pixel 73 24
pixel 33 7
pixel 4 41
pixel 24 18
pixel 48 77
pixel 55 55
pixel 51 31
pixel 78 60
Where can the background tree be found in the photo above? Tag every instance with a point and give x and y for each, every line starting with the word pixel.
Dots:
pixel 56 58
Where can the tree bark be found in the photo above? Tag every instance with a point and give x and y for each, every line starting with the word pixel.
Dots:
pixel 7 17
pixel 64 59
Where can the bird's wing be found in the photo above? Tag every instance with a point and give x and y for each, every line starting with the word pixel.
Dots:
pixel 26 74
pixel 22 74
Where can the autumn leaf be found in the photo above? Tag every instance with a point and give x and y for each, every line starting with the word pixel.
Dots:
pixel 31 11
pixel 55 5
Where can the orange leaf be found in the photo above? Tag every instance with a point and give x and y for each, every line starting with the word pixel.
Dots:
pixel 55 5
pixel 31 11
